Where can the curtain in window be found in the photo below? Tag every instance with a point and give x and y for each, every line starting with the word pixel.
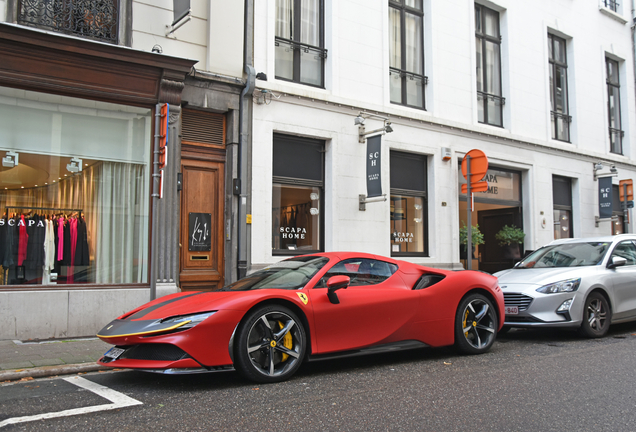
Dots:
pixel 413 36
pixel 121 249
pixel 310 22
pixel 284 18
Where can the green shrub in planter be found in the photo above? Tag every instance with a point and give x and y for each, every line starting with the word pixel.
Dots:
pixel 510 235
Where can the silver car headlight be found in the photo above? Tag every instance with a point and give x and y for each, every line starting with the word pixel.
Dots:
pixel 569 285
pixel 188 320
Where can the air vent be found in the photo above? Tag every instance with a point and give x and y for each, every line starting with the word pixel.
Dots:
pixel 202 128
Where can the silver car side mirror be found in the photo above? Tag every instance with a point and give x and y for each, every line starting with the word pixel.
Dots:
pixel 616 261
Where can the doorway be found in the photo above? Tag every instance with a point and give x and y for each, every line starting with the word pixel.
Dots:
pixel 201 241
pixel 492 256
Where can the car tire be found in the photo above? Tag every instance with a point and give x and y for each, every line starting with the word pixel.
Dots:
pixel 270 344
pixel 505 329
pixel 475 325
pixel 596 316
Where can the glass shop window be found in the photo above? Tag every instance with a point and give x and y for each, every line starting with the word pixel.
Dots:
pixel 74 190
pixel 562 207
pixel 297 195
pixel 408 205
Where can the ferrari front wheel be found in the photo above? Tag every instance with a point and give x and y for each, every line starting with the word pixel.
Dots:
pixel 271 344
pixel 475 325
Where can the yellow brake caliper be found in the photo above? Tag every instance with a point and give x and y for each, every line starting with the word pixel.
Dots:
pixel 287 342
pixel 464 323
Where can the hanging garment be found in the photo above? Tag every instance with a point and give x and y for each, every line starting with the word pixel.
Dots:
pixel 81 252
pixel 49 246
pixel 11 243
pixel 60 239
pixel 23 240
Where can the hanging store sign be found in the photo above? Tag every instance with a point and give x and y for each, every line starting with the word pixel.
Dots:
pixel 605 197
pixel 374 166
pixel 199 232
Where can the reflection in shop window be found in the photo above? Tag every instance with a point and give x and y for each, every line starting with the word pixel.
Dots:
pixel 75 206
pixel 296 218
pixel 407 224
pixel 562 224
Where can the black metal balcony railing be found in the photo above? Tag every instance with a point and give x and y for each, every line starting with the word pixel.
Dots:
pixel 611 4
pixel 616 140
pixel 498 100
pixel 560 116
pixel 420 80
pixel 320 53
pixel 95 19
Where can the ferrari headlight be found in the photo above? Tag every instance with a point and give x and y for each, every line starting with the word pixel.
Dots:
pixel 569 285
pixel 189 320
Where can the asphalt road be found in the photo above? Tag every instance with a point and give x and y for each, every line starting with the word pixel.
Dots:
pixel 530 381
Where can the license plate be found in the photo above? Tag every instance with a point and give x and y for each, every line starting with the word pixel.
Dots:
pixel 114 352
pixel 512 310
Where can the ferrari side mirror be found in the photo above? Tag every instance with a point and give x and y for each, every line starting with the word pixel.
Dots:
pixel 334 284
pixel 614 262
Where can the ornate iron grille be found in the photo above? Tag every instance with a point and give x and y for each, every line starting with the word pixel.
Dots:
pixel 94 19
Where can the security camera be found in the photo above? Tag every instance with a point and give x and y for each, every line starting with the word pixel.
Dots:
pixel 358 120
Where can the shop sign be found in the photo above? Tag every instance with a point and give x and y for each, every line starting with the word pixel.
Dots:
pixel 298 233
pixel 502 185
pixel 374 165
pixel 400 237
pixel 199 232
pixel 605 197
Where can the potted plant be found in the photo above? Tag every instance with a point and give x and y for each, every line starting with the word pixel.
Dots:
pixel 476 238
pixel 510 237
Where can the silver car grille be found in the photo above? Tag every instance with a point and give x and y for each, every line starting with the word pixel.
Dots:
pixel 520 300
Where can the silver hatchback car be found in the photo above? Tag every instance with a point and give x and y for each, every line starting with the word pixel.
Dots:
pixel 584 283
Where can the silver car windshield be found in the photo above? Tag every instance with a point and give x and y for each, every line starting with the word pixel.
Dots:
pixel 566 255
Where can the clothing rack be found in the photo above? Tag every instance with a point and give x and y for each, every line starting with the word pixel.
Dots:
pixel 45 208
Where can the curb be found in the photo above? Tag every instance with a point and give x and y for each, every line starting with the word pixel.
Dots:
pixel 47 371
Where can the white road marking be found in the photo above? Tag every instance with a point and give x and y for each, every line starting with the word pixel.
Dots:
pixel 119 400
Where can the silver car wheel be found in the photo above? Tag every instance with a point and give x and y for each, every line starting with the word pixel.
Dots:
pixel 596 316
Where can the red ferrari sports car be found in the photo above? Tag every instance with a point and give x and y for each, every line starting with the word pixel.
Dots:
pixel 307 308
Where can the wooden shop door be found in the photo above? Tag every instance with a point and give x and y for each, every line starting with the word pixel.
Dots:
pixel 201 241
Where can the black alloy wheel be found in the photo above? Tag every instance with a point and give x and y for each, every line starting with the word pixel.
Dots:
pixel 271 344
pixel 596 316
pixel 475 325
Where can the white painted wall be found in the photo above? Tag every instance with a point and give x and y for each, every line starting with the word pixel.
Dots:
pixel 356 37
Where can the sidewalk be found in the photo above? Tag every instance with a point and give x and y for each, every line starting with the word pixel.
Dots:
pixel 24 359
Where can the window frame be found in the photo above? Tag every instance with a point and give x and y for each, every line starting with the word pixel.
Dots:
pixel 483 38
pixel 554 65
pixel 297 46
pixel 301 182
pixel 615 134
pixel 423 194
pixel 404 74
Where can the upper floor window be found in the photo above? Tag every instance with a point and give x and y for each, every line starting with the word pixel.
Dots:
pixel 559 89
pixel 611 4
pixel 614 107
pixel 300 53
pixel 93 19
pixel 488 45
pixel 406 52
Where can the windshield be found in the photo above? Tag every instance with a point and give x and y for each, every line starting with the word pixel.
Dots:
pixel 566 255
pixel 293 273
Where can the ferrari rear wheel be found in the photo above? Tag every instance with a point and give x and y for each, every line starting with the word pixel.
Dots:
pixel 271 344
pixel 475 325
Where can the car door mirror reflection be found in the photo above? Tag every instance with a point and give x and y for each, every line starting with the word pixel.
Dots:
pixel 334 284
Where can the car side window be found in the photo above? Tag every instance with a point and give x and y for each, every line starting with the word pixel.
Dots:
pixel 361 271
pixel 627 250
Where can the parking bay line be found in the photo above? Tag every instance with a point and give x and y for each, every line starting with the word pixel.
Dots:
pixel 119 400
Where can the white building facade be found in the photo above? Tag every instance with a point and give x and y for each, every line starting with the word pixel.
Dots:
pixel 545 89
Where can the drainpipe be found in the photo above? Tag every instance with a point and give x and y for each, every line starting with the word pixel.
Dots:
pixel 242 144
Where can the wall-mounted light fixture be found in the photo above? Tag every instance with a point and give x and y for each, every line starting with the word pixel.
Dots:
pixel 10 159
pixel 362 133
pixel 598 166
pixel 75 165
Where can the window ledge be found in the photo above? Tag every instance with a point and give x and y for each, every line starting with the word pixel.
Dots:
pixel 610 13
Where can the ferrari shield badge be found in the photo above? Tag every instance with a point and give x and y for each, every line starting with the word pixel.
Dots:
pixel 303 297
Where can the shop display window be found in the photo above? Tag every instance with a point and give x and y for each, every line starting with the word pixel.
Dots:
pixel 408 204
pixel 74 190
pixel 297 195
